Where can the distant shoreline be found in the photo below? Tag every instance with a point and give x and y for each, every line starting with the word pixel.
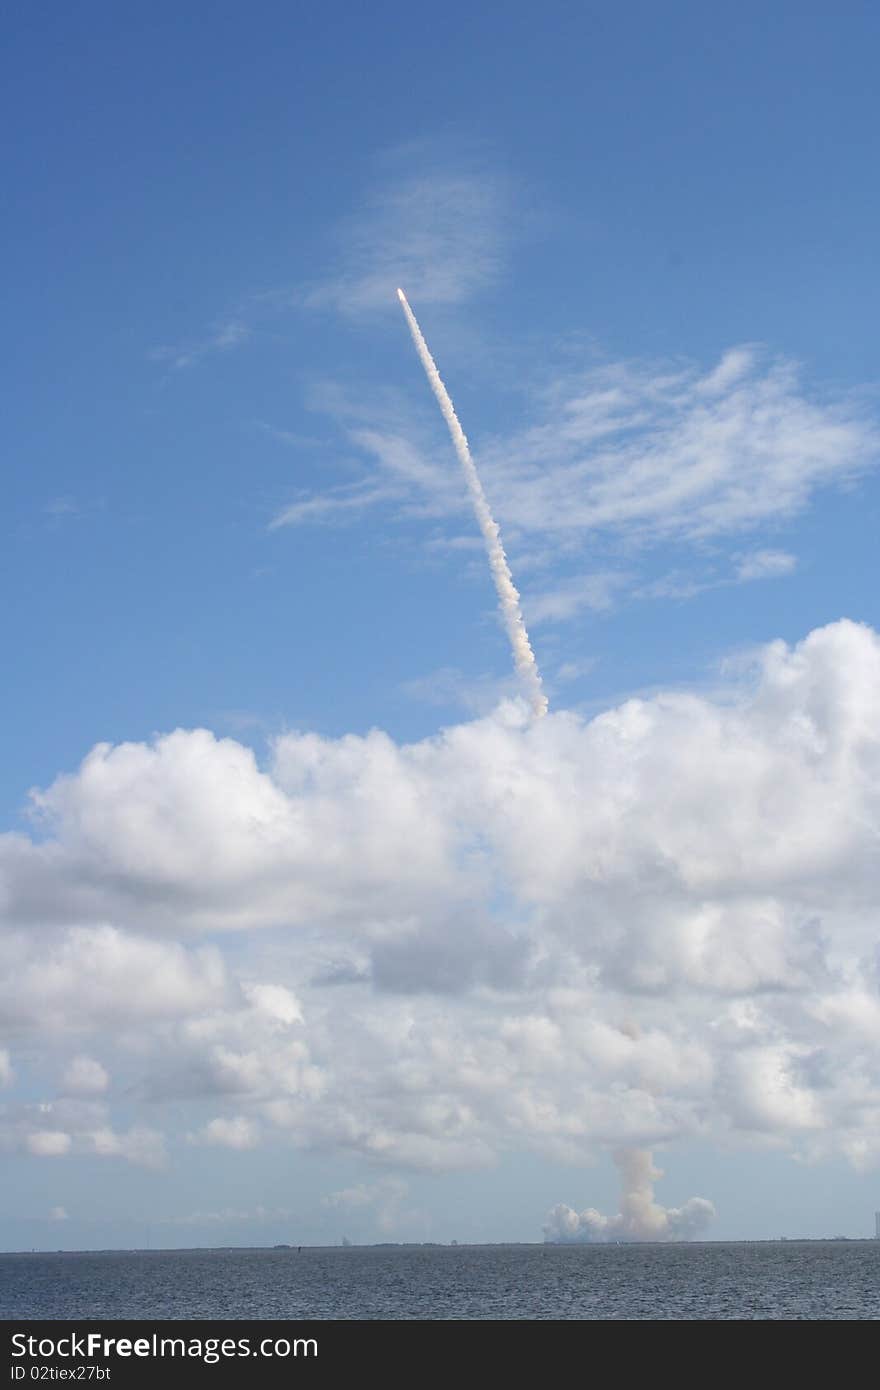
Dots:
pixel 445 1245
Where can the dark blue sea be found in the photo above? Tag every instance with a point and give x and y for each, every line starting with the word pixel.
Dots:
pixel 789 1279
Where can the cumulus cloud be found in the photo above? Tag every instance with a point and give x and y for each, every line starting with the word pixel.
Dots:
pixel 48 1143
pixel 79 978
pixel 639 1218
pixel 77 1125
pixel 233 1133
pixel 84 1076
pixel 7 1074
pixel 574 935
pixel 139 1145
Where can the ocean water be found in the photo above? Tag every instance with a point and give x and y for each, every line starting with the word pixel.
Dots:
pixel 784 1280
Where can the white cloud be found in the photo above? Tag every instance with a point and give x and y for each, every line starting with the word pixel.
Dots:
pixel 237 1132
pixel 7 1075
pixel 225 335
pixel 441 233
pixel 439 225
pixel 654 452
pixel 49 1143
pixel 84 1076
pixel 569 935
pixel 275 1003
pixel 139 1145
pixel 765 564
pixel 402 468
pixel 569 597
pixel 331 505
pixel 632 453
pixel 58 1214
pixel 82 978
pixel 77 1126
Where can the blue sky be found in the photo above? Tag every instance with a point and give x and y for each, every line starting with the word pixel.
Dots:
pixel 640 241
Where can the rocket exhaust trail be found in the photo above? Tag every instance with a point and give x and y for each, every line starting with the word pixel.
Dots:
pixel 508 596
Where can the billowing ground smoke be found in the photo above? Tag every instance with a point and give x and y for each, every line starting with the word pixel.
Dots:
pixel 508 596
pixel 639 1218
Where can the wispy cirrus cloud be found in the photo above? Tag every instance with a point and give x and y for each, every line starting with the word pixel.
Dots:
pixel 765 564
pixel 630 454
pixel 334 504
pixel 439 225
pixel 65 509
pixel 564 600
pixel 669 452
pixel 600 592
pixel 392 451
pixel 441 232
pixel 654 453
pixel 225 335
pixel 746 568
pixel 60 507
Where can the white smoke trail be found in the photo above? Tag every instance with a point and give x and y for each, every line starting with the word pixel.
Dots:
pixel 508 596
pixel 639 1218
